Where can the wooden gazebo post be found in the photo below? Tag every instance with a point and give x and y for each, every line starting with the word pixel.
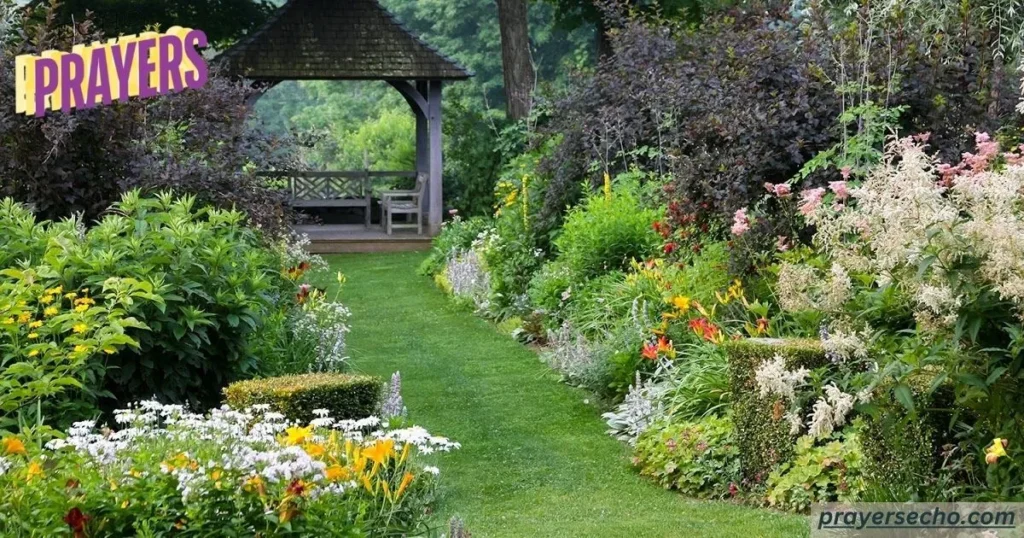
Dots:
pixel 356 40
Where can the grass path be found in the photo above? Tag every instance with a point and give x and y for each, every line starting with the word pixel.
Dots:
pixel 535 460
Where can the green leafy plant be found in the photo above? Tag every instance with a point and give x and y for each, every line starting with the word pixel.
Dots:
pixel 52 340
pixel 699 458
pixel 829 472
pixel 606 233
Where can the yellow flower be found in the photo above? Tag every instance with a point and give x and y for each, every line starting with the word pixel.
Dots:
pixel 33 353
pixel 55 291
pixel 381 451
pixel 8 321
pixel 71 295
pixel 46 299
pixel 81 308
pixel 296 435
pixel 81 348
pixel 314 449
pixel 406 480
pixel 13 445
pixel 109 350
pixel 336 473
pixel 34 470
pixel 124 504
pixel 35 325
pixel 216 474
pixel 85 301
pixel 80 328
pixel 681 303
pixel 33 336
pixel 24 317
pixel 996 451
pixel 50 311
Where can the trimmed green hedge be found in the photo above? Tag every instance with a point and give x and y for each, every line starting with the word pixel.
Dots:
pixel 902 450
pixel 296 396
pixel 762 434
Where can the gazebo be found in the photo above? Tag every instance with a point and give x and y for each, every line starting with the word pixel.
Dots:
pixel 353 40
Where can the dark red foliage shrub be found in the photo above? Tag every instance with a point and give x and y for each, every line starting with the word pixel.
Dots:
pixel 196 141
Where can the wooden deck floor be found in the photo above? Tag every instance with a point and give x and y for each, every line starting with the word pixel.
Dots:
pixel 338 238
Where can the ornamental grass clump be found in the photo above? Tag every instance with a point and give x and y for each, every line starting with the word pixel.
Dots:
pixel 230 473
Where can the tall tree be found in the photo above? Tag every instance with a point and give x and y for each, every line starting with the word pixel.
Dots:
pixel 515 58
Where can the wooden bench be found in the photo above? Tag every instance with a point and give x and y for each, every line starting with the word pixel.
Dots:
pixel 333 188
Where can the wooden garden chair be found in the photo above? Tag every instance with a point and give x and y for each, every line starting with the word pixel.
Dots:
pixel 403 202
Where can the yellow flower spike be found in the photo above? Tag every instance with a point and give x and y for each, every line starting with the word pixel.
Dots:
pixel 406 480
pixel 405 453
pixel 386 489
pixel 13 445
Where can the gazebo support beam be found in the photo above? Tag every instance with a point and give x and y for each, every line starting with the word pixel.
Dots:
pixel 436 206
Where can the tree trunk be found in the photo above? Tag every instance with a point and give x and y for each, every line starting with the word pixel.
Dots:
pixel 515 58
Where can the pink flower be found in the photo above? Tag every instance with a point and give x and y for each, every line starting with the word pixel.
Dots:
pixel 740 222
pixel 922 138
pixel 845 172
pixel 782 243
pixel 840 188
pixel 782 190
pixel 810 199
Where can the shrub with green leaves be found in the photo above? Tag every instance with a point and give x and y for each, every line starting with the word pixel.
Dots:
pixel 820 473
pixel 457 235
pixel 699 458
pixel 606 232
pixel 297 396
pixel 760 426
pixel 212 279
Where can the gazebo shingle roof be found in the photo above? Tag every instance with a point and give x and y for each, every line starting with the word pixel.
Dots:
pixel 337 40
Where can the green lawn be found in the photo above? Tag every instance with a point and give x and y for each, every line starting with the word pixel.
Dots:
pixel 535 461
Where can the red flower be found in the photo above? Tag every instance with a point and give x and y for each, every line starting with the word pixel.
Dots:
pixel 303 293
pixel 705 329
pixel 304 266
pixel 696 248
pixel 733 490
pixel 650 351
pixel 670 248
pixel 296 488
pixel 77 521
pixel 762 325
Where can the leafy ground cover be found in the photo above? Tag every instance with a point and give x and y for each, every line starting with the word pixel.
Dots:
pixel 535 459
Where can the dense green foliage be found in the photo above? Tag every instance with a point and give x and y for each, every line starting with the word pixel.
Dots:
pixel 209 280
pixel 297 396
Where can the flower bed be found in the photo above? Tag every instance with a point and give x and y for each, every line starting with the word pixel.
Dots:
pixel 232 472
